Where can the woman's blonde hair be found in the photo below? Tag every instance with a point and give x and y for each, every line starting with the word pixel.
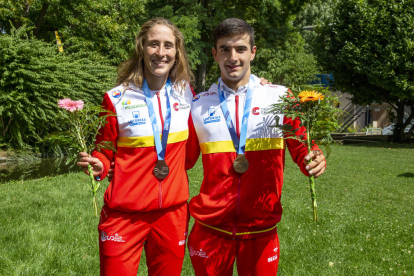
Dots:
pixel 132 69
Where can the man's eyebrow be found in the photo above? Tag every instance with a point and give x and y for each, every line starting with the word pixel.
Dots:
pixel 237 47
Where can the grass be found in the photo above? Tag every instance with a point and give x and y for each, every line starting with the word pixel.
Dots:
pixel 365 227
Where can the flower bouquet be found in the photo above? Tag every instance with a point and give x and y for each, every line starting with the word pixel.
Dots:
pixel 80 124
pixel 314 107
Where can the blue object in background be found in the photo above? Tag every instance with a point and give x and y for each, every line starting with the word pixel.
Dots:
pixel 324 79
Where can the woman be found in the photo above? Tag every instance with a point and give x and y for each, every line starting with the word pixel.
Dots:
pixel 146 201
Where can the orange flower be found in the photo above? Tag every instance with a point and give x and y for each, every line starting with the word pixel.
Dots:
pixel 308 96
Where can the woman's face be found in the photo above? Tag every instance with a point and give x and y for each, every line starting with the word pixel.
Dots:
pixel 159 51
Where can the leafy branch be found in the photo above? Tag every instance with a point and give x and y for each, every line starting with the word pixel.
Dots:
pixel 80 126
pixel 314 107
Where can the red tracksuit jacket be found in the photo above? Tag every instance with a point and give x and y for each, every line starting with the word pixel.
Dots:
pixel 134 186
pixel 241 205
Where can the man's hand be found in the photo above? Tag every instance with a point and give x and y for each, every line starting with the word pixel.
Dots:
pixel 111 172
pixel 85 159
pixel 317 166
pixel 264 81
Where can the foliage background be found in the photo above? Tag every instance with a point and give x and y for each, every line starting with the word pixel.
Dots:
pixel 368 46
pixel 33 77
pixel 98 35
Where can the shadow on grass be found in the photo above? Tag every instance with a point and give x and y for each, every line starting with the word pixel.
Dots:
pixel 406 175
pixel 386 145
pixel 36 169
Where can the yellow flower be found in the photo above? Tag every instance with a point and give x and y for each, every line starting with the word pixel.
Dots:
pixel 307 96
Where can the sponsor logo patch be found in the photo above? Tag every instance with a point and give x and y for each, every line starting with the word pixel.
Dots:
pixel 116 94
pixel 211 118
pixel 181 242
pixel 115 238
pixel 256 110
pixel 127 105
pixel 209 94
pixel 125 102
pixel 178 106
pixel 196 98
pixel 136 120
pixel 199 253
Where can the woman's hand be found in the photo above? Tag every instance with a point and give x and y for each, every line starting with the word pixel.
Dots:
pixel 85 159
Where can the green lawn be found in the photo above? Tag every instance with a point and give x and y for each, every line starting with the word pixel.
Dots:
pixel 365 200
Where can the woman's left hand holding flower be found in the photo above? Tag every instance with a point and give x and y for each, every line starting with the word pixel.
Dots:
pixel 85 159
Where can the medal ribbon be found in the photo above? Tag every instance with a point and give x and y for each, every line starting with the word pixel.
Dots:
pixel 160 146
pixel 239 145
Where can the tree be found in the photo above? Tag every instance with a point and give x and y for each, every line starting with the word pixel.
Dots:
pixel 369 48
pixel 313 14
pixel 107 27
pixel 271 21
pixel 289 64
pixel 33 77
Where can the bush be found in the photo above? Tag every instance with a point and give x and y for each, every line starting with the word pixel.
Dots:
pixel 33 77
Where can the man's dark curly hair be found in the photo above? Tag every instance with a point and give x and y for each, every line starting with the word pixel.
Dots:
pixel 233 27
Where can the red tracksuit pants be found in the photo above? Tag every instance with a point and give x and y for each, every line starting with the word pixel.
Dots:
pixel 215 255
pixel 162 233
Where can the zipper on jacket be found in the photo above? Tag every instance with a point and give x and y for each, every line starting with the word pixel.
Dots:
pixel 162 127
pixel 237 206
pixel 239 175
pixel 160 194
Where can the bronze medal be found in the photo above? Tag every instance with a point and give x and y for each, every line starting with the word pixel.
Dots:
pixel 161 169
pixel 241 164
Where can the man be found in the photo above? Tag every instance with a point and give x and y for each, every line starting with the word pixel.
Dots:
pixel 239 205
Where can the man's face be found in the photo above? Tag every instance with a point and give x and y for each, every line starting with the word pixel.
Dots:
pixel 234 55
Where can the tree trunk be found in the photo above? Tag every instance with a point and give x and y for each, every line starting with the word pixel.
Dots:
pixel 201 78
pixel 41 18
pixel 410 133
pixel 202 68
pixel 398 131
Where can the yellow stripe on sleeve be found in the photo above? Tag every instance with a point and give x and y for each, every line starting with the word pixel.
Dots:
pixel 214 147
pixel 264 144
pixel 256 144
pixel 148 141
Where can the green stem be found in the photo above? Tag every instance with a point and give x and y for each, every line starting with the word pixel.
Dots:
pixel 311 177
pixel 313 196
pixel 94 184
pixel 94 188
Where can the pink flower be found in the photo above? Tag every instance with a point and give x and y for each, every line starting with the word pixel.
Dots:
pixel 63 102
pixel 70 105
pixel 79 105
